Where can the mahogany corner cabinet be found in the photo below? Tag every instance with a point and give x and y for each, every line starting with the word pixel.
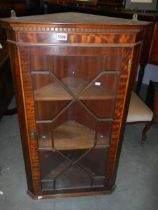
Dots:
pixel 73 75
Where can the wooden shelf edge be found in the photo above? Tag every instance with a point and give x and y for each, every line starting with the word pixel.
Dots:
pixel 68 194
pixel 51 149
pixel 55 92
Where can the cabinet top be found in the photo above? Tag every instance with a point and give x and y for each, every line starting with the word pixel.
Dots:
pixel 72 18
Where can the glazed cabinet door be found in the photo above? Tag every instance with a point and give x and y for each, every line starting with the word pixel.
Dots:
pixel 73 101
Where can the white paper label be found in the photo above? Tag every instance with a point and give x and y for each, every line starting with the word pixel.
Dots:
pixel 61 36
pixel 97 83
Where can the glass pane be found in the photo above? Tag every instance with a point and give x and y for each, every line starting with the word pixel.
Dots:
pixel 99 96
pixel 47 110
pixel 113 63
pixel 73 169
pixel 48 88
pixel 74 106
pixel 74 131
pixel 39 63
pixel 75 71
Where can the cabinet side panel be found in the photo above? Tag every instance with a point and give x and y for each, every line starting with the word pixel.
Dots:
pixel 15 66
pixel 30 122
pixel 132 74
pixel 128 69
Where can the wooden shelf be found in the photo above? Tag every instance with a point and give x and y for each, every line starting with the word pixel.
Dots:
pixel 74 84
pixel 57 92
pixel 52 92
pixel 71 136
pixel 96 93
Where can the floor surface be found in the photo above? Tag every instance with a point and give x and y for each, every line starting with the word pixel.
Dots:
pixel 137 179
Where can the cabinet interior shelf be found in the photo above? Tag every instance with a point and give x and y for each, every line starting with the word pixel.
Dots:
pixel 56 92
pixel 51 176
pixel 71 135
pixel 52 92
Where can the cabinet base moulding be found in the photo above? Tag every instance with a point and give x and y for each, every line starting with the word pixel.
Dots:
pixel 76 194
